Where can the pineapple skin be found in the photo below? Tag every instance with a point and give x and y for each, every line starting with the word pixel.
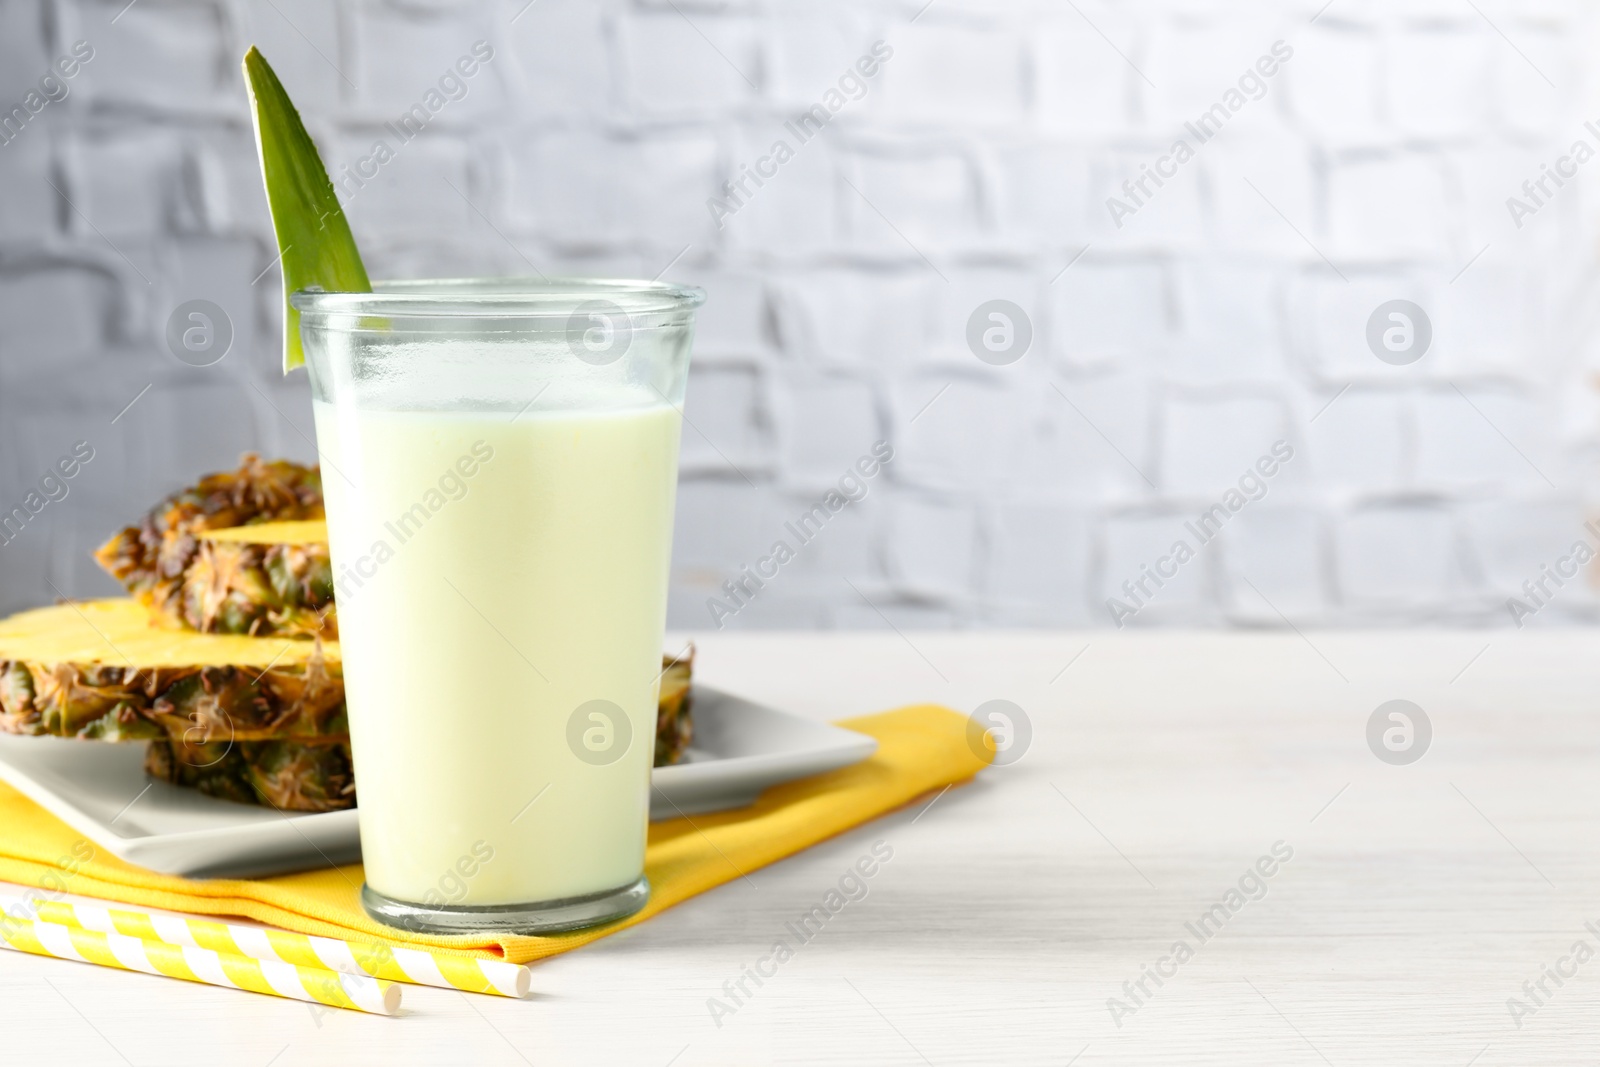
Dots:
pixel 224 587
pixel 318 775
pixel 262 590
pixel 287 775
pixel 280 739
pixel 202 704
pixel 674 719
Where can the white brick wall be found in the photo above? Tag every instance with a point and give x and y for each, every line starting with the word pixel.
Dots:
pixel 1229 311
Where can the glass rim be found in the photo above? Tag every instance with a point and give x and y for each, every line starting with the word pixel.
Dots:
pixel 517 297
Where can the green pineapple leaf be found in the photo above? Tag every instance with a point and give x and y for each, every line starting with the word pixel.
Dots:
pixel 314 242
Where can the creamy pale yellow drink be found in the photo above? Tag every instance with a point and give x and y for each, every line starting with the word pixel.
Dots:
pixel 496 573
pixel 499 461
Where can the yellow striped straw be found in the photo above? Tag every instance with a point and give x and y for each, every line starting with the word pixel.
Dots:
pixel 371 959
pixel 226 969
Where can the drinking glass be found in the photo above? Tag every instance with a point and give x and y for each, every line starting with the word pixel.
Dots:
pixel 499 461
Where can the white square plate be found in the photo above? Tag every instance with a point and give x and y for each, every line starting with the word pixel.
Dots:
pixel 100 790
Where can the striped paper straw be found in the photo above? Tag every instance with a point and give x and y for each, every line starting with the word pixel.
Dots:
pixel 225 969
pixel 416 966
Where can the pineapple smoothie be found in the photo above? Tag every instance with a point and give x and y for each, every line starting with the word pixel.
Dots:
pixel 497 573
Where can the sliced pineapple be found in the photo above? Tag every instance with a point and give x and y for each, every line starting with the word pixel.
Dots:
pixel 234 573
pixel 255 719
pixel 98 669
pixel 279 582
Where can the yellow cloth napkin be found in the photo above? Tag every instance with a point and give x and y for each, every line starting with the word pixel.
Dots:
pixel 920 749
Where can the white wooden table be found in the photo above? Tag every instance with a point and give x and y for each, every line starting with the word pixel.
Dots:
pixel 1417 901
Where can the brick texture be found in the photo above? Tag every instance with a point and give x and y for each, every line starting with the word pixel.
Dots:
pixel 1182 310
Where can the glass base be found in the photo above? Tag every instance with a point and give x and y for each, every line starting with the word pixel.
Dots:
pixel 547 917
